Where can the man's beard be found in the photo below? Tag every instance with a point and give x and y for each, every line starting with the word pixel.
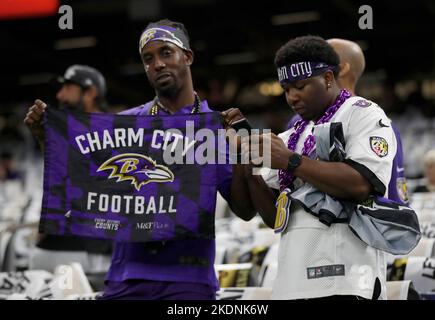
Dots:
pixel 167 91
pixel 78 106
pixel 171 89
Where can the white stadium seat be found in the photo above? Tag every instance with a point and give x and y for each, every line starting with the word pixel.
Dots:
pixel 398 290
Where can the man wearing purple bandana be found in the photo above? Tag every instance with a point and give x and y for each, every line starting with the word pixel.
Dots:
pixel 316 260
pixel 352 65
pixel 181 269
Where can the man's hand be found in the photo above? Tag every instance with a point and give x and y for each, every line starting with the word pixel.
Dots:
pixel 34 119
pixel 268 150
pixel 230 116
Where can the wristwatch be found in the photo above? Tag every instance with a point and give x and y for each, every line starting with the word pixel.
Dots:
pixel 294 161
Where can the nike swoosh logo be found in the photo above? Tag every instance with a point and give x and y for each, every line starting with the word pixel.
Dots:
pixel 398 169
pixel 382 125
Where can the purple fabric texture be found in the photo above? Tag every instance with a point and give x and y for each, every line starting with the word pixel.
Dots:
pixel 181 261
pixel 157 290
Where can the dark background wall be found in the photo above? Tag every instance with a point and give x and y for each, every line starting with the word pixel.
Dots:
pixel 234 42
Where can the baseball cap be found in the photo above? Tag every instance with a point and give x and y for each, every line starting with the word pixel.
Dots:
pixel 85 77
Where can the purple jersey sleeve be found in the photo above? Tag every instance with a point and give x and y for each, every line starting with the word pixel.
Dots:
pixel 397 190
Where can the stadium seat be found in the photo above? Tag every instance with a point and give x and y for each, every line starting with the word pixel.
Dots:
pixel 268 267
pixel 248 293
pixel 401 290
pixel 68 280
pixel 421 271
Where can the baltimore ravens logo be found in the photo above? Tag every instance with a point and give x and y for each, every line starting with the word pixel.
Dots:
pixel 379 146
pixel 137 168
pixel 149 35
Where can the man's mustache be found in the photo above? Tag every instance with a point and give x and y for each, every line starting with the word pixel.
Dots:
pixel 71 106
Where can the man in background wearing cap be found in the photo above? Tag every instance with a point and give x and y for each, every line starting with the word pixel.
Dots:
pixel 83 88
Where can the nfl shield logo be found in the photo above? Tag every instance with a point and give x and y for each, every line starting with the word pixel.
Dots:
pixel 379 146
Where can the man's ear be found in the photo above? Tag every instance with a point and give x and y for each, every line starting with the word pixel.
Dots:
pixel 329 77
pixel 344 69
pixel 90 94
pixel 188 56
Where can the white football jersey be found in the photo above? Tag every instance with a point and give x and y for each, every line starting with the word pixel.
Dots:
pixel 316 260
